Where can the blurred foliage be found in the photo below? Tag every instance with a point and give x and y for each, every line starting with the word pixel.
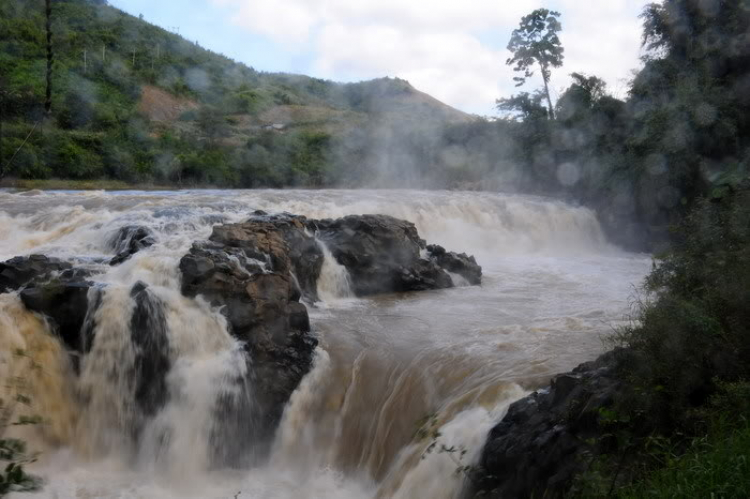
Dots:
pixel 685 405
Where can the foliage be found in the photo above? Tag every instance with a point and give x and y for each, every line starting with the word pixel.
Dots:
pixel 13 477
pixel 716 464
pixel 104 62
pixel 13 453
pixel 681 422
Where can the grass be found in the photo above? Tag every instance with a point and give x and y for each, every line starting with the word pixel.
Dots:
pixel 714 467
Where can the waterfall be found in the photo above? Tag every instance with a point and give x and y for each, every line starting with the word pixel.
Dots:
pixel 37 378
pixel 159 378
pixel 161 400
pixel 333 282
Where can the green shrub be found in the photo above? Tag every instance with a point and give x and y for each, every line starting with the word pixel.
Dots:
pixel 70 160
pixel 27 162
pixel 716 464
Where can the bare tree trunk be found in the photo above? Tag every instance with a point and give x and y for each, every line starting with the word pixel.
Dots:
pixel 48 99
pixel 546 92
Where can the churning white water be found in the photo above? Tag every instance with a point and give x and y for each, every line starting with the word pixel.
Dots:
pixel 387 366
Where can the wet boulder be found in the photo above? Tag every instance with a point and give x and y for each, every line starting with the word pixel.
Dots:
pixel 22 271
pixel 129 240
pixel 456 263
pixel 247 270
pixel 148 329
pixel 541 444
pixel 65 302
pixel 53 288
pixel 304 252
pixel 383 254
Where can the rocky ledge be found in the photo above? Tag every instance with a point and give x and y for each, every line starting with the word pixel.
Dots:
pixel 542 443
pixel 260 269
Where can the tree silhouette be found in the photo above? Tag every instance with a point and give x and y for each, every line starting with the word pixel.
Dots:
pixel 535 42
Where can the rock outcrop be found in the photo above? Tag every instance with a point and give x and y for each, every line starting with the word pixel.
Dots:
pixel 383 254
pixel 258 271
pixel 540 445
pixel 460 264
pixel 246 269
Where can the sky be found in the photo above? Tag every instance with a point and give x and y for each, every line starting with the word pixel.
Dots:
pixel 455 50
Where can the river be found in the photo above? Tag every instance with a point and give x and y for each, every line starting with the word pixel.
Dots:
pixel 452 360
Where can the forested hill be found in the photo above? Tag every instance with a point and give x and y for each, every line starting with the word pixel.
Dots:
pixel 135 102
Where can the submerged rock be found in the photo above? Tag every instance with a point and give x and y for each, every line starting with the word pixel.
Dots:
pixel 540 445
pixel 129 240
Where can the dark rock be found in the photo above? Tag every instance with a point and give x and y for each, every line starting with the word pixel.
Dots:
pixel 382 254
pixel 246 268
pixel 539 446
pixel 22 271
pixel 65 303
pixel 258 270
pixel 461 264
pixel 148 331
pixel 129 240
pixel 95 297
pixel 304 252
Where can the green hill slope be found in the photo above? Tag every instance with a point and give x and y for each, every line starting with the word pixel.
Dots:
pixel 134 102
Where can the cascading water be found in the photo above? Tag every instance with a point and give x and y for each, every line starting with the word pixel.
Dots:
pixel 35 373
pixel 162 401
pixel 333 283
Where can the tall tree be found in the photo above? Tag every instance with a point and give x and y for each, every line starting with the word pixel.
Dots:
pixel 48 25
pixel 535 42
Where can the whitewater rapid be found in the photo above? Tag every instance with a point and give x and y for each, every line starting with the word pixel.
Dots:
pixel 449 360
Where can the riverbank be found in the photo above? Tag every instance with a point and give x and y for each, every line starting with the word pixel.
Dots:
pixel 56 184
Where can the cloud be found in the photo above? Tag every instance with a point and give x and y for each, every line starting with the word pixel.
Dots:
pixel 453 50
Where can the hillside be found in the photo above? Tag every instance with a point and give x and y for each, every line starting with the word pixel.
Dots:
pixel 134 102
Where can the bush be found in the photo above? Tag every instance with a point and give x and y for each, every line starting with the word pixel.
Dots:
pixel 714 465
pixel 70 160
pixel 697 330
pixel 27 162
pixel 685 404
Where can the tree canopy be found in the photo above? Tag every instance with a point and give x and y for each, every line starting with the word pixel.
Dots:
pixel 536 43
